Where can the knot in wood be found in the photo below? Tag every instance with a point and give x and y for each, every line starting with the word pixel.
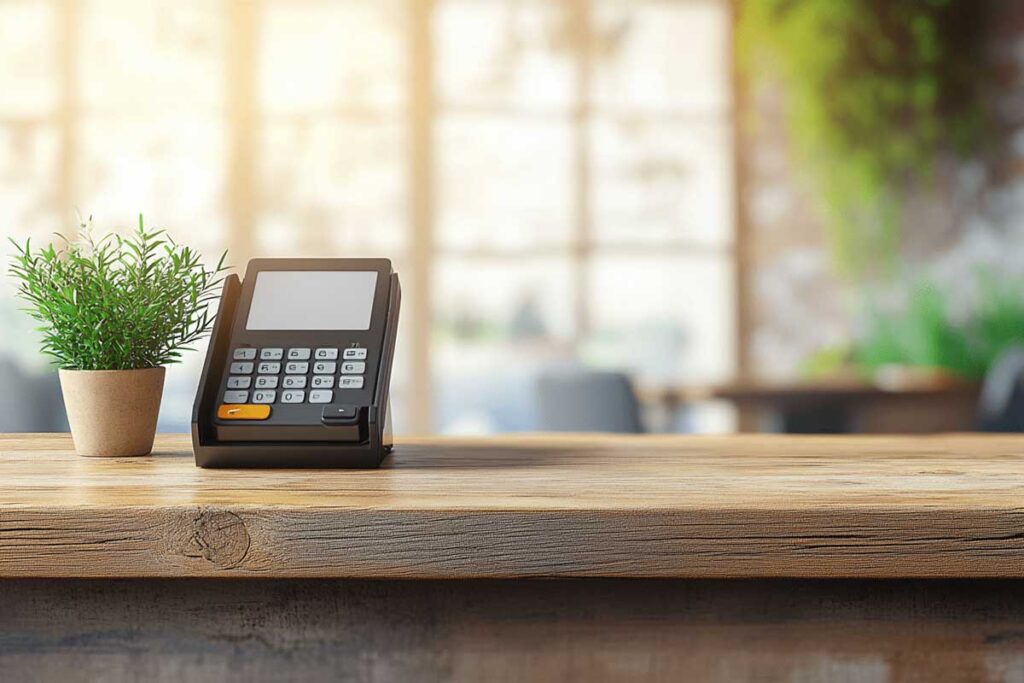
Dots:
pixel 219 537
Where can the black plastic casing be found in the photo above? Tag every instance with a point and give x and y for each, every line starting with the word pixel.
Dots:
pixel 364 445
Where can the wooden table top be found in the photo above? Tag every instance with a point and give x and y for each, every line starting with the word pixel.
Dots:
pixel 539 505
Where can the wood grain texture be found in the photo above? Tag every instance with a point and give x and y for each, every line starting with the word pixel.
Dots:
pixel 572 506
pixel 537 631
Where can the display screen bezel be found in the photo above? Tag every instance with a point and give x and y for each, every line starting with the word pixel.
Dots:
pixel 375 332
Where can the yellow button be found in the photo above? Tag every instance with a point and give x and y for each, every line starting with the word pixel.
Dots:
pixel 238 411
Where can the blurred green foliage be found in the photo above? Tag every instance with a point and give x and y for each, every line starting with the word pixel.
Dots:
pixel 875 91
pixel 926 333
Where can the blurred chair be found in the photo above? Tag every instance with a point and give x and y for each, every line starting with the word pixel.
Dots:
pixel 30 402
pixel 587 401
pixel 1001 405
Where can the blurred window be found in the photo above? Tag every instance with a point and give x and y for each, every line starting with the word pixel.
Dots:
pixel 583 198
pixel 553 178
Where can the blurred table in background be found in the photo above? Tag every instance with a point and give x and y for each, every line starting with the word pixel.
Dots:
pixel 911 406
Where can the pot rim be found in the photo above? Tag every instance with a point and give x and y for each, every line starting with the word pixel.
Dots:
pixel 159 368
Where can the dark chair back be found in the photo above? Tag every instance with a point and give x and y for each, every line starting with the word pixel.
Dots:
pixel 30 401
pixel 587 401
pixel 1001 406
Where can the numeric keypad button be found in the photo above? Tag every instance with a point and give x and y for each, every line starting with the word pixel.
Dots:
pixel 239 382
pixel 241 368
pixel 350 382
pixel 244 354
pixel 353 368
pixel 322 381
pixel 293 396
pixel 236 396
pixel 264 396
pixel 326 354
pixel 271 354
pixel 298 354
pixel 324 367
pixel 294 368
pixel 321 396
pixel 268 368
pixel 294 381
pixel 355 354
pixel 269 382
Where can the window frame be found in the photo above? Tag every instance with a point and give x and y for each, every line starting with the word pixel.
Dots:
pixel 423 110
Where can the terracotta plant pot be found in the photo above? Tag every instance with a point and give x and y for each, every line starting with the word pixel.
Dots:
pixel 112 412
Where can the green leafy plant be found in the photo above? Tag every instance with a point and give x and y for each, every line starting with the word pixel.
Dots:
pixel 875 92
pixel 926 334
pixel 116 303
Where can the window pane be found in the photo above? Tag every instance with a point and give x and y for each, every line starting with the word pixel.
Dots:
pixel 29 208
pixel 28 51
pixel 495 322
pixel 325 55
pixel 672 321
pixel 504 183
pixel 658 182
pixel 28 188
pixel 639 60
pixel 171 169
pixel 163 55
pixel 504 53
pixel 28 178
pixel 180 386
pixel 401 395
pixel 332 188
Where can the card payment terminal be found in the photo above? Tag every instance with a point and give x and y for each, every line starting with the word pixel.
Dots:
pixel 299 365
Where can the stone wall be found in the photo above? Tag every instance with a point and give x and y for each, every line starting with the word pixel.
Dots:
pixel 974 217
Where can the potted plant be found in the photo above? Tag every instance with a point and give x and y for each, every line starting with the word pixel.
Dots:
pixel 113 313
pixel 918 336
